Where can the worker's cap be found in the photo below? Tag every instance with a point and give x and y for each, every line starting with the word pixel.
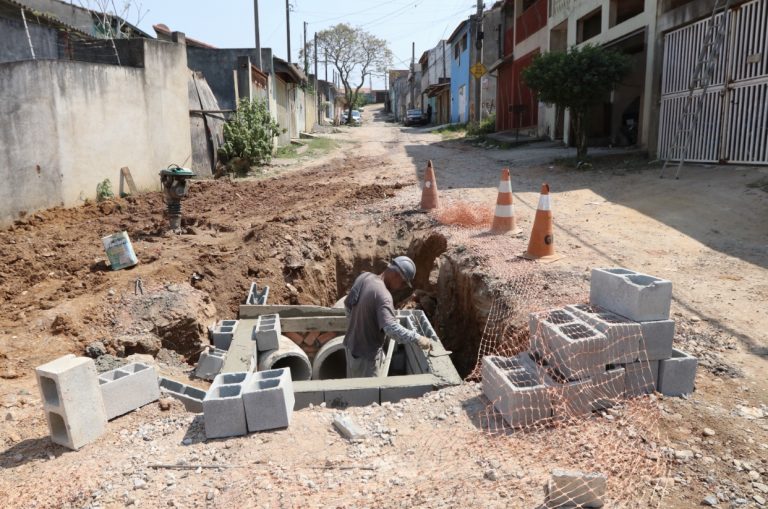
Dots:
pixel 405 267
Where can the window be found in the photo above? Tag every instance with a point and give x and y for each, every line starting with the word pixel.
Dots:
pixel 622 10
pixel 589 26
pixel 464 43
pixel 457 50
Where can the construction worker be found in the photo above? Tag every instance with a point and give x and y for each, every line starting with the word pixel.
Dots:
pixel 371 317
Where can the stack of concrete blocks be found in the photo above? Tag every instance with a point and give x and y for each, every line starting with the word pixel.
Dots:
pixel 72 401
pixel 128 387
pixel 222 334
pixel 646 300
pixel 268 400
pixel 238 403
pixel 191 397
pixel 267 333
pixel 210 363
pixel 257 297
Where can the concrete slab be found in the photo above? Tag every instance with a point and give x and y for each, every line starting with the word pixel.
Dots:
pixel 129 387
pixel 568 489
pixel 396 388
pixel 306 392
pixel 241 355
pixel 72 401
pixel 635 295
pixel 351 392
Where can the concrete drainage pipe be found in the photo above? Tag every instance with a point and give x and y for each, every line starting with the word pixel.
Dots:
pixel 330 361
pixel 288 355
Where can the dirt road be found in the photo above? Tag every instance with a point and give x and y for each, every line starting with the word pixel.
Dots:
pixel 306 233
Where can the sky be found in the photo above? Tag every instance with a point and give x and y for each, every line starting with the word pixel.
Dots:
pixel 230 23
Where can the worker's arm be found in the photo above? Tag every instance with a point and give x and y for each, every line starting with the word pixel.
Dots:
pixel 400 334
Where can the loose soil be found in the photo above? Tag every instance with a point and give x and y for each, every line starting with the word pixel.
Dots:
pixel 306 233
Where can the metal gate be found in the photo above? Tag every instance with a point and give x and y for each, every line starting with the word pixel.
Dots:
pixel 733 125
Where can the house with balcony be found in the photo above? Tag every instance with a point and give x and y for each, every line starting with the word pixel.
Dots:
pixel 436 82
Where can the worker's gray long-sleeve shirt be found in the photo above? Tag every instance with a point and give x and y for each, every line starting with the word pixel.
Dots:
pixel 371 316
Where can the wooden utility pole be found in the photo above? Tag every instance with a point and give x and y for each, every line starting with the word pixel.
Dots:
pixel 413 72
pixel 326 65
pixel 257 61
pixel 478 54
pixel 288 26
pixel 317 92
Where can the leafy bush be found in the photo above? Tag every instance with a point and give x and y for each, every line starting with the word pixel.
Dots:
pixel 104 190
pixel 486 126
pixel 249 135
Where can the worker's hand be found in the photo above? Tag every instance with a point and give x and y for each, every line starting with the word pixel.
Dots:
pixel 425 343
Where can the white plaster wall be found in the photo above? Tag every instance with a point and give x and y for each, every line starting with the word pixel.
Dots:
pixel 81 122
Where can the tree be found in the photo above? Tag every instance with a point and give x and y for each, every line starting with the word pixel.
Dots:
pixel 249 135
pixel 353 52
pixel 577 80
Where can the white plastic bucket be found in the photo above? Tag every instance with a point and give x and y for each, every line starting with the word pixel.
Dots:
pixel 119 251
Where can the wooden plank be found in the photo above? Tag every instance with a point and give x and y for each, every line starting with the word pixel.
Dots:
pixel 388 360
pixel 125 175
pixel 320 324
pixel 288 311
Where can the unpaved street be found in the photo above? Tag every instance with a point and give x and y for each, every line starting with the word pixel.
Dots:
pixel 306 233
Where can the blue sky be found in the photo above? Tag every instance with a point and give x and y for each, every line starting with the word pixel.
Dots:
pixel 229 23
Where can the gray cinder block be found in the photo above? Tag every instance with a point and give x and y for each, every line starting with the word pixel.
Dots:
pixel 210 363
pixel 656 341
pixel 192 397
pixel 573 349
pixel 129 387
pixel 575 489
pixel 72 401
pixel 223 409
pixel 640 378
pixel 257 297
pixel 267 332
pixel 624 336
pixel 608 388
pixel 268 399
pixel 637 296
pixel 677 374
pixel 571 398
pixel 343 393
pixel 306 392
pixel 517 388
pixel 222 334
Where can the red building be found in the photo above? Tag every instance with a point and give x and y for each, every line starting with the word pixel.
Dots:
pixel 517 105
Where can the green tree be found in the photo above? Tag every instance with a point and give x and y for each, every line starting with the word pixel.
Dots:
pixel 353 52
pixel 250 134
pixel 577 80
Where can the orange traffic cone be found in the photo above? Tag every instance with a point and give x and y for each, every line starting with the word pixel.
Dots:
pixel 429 198
pixel 504 217
pixel 542 244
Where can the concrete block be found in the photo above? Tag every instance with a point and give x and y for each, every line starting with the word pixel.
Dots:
pixel 306 392
pixel 656 340
pixel 129 387
pixel 72 401
pixel 268 399
pixel 677 375
pixel 256 296
pixel 555 316
pixel 637 296
pixel 641 378
pixel 575 489
pixel 396 388
pixel 624 336
pixel 223 333
pixel 516 389
pixel 267 332
pixel 351 392
pixel 210 363
pixel 572 348
pixel 223 409
pixel 608 388
pixel 571 399
pixel 192 397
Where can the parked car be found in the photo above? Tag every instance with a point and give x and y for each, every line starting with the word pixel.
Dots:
pixel 414 117
pixel 356 118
